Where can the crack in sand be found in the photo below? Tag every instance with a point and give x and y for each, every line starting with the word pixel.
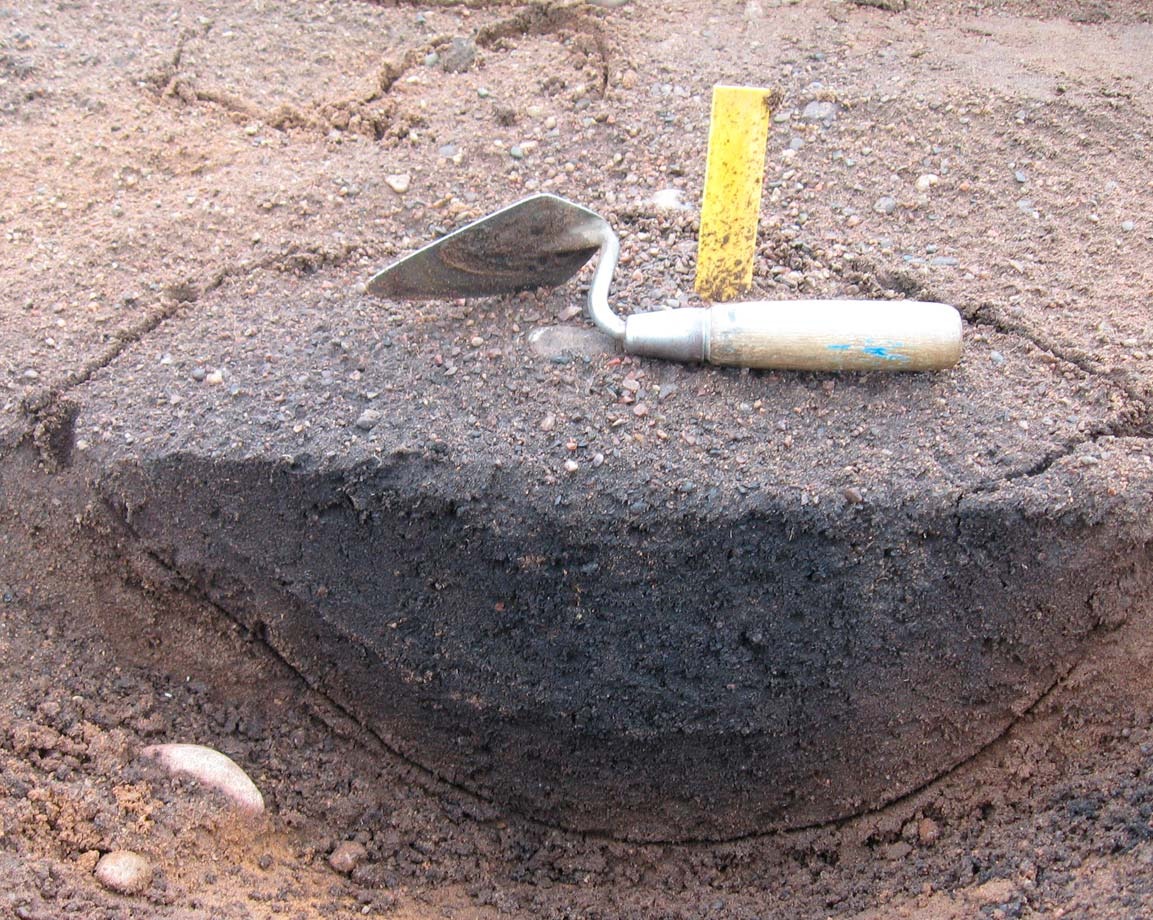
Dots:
pixel 1138 424
pixel 304 259
pixel 360 112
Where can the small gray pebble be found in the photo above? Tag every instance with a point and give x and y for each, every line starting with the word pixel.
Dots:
pixel 516 152
pixel 553 342
pixel 819 110
pixel 368 419
pixel 459 56
pixel 199 373
pixel 996 357
pixel 1020 177
pixel 1128 226
pixel 885 205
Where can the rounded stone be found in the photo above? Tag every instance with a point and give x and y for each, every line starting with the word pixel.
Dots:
pixel 213 769
pixel 124 872
pixel 346 856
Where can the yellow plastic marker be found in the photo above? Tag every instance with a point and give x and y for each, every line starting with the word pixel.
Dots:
pixel 734 173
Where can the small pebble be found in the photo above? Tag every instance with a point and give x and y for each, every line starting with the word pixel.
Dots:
pixel 573 341
pixel 548 423
pixel 516 152
pixel 368 419
pixel 398 182
pixel 571 466
pixel 1020 177
pixel 214 377
pixel 347 855
pixel 1128 226
pixel 885 205
pixel 928 831
pixel 124 872
pixel 669 199
pixel 459 56
pixel 211 768
pixel 819 110
pixel 198 374
pixel 926 182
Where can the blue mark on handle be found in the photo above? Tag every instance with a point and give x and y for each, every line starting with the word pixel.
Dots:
pixel 884 352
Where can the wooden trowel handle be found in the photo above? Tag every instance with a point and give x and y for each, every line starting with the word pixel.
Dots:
pixel 835 335
pixel 808 335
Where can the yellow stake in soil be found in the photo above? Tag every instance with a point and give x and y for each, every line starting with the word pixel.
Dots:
pixel 734 173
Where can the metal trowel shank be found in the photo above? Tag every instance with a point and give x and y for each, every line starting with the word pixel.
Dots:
pixel 540 241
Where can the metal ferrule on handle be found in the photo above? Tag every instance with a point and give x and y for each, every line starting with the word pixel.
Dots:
pixel 813 335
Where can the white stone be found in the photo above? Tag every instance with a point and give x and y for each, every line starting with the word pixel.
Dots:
pixel 211 768
pixel 124 872
pixel 398 182
pixel 670 199
pixel 571 341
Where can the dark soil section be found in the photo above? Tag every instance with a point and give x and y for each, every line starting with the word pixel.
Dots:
pixel 1052 820
pixel 777 599
pixel 674 676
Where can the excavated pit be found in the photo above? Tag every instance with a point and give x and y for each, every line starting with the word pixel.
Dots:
pixel 776 600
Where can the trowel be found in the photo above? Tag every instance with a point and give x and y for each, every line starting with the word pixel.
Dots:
pixel 543 240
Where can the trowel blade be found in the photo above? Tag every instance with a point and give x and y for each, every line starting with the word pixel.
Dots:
pixel 539 241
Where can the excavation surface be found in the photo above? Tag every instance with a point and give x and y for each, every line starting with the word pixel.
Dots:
pixel 644 601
